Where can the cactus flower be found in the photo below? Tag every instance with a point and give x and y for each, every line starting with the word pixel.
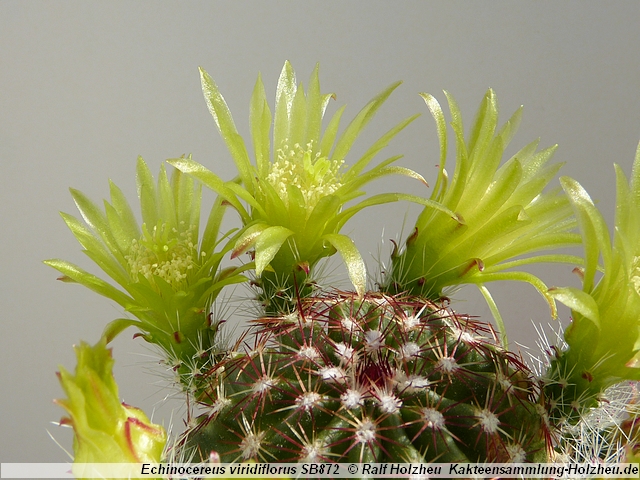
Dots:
pixel 299 184
pixel 106 430
pixel 502 220
pixel 604 336
pixel 168 274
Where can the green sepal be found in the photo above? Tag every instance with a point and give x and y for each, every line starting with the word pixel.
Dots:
pixel 146 193
pixel 331 131
pixel 356 126
pixel 97 221
pixel 352 173
pixel 260 119
pixel 123 210
pixel 352 259
pixel 247 238
pixel 226 280
pixel 493 308
pixel 116 327
pixel 579 301
pixel 594 231
pixel 268 244
pixel 285 93
pixel 96 250
pixel 212 228
pixel 222 116
pixel 383 198
pixel 211 180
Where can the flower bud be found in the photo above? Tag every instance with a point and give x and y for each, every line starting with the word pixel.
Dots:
pixel 106 430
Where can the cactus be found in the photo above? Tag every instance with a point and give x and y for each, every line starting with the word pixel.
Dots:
pixel 390 374
pixel 372 379
pixel 417 374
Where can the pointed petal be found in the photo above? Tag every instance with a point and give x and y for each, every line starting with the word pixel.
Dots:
pixel 222 116
pixel 360 122
pixel 90 281
pixel 260 119
pixel 285 93
pixel 147 193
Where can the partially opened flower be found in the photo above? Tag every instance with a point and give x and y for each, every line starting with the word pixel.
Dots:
pixel 502 216
pixel 105 430
pixel 168 275
pixel 604 335
pixel 291 200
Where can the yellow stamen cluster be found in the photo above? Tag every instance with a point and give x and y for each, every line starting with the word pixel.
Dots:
pixel 164 253
pixel 315 176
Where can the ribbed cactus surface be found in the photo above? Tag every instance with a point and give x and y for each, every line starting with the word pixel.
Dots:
pixel 379 378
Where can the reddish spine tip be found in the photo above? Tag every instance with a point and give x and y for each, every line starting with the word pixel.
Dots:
pixel 304 266
pixel 413 237
pixel 394 252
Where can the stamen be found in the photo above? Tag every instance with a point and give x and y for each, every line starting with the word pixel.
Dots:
pixel 315 177
pixel 166 254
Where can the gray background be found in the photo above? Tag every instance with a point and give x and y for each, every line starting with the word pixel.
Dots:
pixel 87 86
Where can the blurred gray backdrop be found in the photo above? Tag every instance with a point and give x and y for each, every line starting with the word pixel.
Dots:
pixel 85 87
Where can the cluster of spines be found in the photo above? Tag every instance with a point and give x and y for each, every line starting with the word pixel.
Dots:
pixel 567 392
pixel 190 371
pixel 375 379
pixel 609 433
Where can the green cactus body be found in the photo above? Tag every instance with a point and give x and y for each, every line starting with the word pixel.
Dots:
pixel 377 379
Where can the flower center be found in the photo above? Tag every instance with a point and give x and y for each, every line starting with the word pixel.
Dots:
pixel 314 176
pixel 164 252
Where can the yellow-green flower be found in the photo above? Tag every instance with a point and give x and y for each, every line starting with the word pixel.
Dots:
pixel 167 272
pixel 105 430
pixel 291 200
pixel 494 218
pixel 604 335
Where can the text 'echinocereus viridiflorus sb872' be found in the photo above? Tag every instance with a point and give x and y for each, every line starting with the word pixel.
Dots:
pixel 384 374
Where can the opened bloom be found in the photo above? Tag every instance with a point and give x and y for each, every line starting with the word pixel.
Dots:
pixel 292 199
pixel 495 216
pixel 167 272
pixel 604 335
